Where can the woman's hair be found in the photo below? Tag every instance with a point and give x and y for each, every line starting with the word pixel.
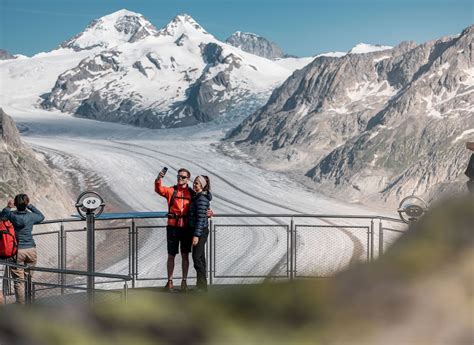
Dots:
pixel 207 188
pixel 21 201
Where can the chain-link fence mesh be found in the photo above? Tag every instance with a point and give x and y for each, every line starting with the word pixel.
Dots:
pixel 76 249
pixel 112 249
pixel 152 253
pixel 390 236
pixel 324 250
pixel 48 243
pixel 250 250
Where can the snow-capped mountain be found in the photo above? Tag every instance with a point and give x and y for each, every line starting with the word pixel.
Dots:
pixel 112 30
pixel 378 125
pixel 179 75
pixel 254 44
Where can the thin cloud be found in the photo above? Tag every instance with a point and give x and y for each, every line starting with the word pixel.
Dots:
pixel 51 13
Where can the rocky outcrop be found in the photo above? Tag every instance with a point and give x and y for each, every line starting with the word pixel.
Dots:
pixel 254 44
pixel 375 126
pixel 22 171
pixel 4 55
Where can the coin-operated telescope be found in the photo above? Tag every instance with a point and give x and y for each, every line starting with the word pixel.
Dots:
pixel 412 208
pixel 90 205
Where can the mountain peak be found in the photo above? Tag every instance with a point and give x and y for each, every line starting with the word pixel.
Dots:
pixel 244 34
pixel 255 44
pixel 121 13
pixel 363 48
pixel 184 18
pixel 182 24
pixel 120 27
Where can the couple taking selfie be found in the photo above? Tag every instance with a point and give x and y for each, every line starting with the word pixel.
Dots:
pixel 188 226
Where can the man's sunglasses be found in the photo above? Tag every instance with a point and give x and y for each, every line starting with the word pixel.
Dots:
pixel 182 177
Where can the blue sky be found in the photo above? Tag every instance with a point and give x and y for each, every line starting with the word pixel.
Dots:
pixel 300 27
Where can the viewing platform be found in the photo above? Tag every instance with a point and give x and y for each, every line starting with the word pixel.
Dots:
pixel 129 252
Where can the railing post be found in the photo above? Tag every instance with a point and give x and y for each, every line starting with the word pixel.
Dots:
pixel 368 244
pixel 380 239
pixel 133 253
pixel 372 239
pixel 62 256
pixel 210 251
pixel 28 287
pixel 125 292
pixel 7 282
pixel 292 249
pixel 90 255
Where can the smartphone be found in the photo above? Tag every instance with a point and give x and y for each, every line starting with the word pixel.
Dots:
pixel 164 170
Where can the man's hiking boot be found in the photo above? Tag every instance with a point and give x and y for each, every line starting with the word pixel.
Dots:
pixel 169 285
pixel 201 287
pixel 184 285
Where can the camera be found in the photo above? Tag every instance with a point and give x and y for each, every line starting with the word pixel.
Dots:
pixel 163 171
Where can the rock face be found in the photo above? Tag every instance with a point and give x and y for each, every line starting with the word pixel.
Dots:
pixel 4 55
pixel 374 126
pixel 254 44
pixel 177 76
pixel 22 172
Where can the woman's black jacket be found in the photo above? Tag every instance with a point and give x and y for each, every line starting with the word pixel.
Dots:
pixel 198 221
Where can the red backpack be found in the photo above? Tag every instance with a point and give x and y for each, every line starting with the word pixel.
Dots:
pixel 8 243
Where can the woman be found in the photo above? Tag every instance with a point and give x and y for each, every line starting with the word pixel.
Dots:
pixel 198 222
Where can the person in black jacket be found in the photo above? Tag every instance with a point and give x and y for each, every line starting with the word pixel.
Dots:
pixel 23 219
pixel 198 221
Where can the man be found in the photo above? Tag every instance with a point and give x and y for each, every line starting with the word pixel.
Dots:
pixel 470 168
pixel 178 234
pixel 23 219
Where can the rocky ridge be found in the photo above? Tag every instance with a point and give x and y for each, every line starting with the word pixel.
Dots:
pixel 372 127
pixel 22 171
pixel 254 44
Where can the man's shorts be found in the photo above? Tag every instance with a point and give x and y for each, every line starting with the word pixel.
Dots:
pixel 176 236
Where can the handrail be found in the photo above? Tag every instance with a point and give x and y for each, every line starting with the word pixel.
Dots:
pixel 13 264
pixel 241 215
pixel 305 215
pixel 82 273
pixel 64 271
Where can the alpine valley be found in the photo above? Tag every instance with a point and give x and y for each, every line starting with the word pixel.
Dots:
pixel 372 125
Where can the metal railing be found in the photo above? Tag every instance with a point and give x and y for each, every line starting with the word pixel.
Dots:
pixel 241 248
pixel 47 291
